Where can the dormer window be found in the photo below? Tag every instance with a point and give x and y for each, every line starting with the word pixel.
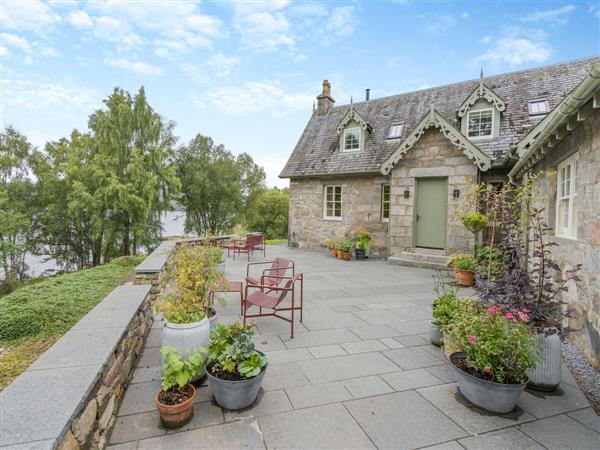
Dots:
pixel 396 130
pixel 538 107
pixel 480 123
pixel 352 139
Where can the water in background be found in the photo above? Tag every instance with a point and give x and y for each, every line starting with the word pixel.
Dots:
pixel 172 223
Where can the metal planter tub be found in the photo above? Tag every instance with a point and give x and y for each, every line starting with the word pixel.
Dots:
pixel 186 338
pixel 435 334
pixel 494 397
pixel 546 375
pixel 234 395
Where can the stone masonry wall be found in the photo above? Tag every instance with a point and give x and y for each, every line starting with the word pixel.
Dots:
pixel 583 296
pixel 431 156
pixel 92 428
pixel 361 207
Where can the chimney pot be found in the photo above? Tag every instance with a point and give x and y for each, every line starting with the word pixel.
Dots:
pixel 367 94
pixel 324 100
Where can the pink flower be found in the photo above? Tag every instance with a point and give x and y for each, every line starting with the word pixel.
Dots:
pixel 492 310
pixel 508 315
pixel 472 340
pixel 523 316
pixel 487 369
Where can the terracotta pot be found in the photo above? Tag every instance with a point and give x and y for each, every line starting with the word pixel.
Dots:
pixel 333 252
pixel 465 277
pixel 346 256
pixel 338 253
pixel 175 416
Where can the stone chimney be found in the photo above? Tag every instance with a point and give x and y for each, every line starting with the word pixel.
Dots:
pixel 324 101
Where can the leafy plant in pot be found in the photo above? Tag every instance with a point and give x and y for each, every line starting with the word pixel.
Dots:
pixel 330 245
pixel 189 310
pixel 464 267
pixel 176 398
pixel 530 288
pixel 498 352
pixel 362 241
pixel 218 255
pixel 345 249
pixel 444 304
pixel 235 368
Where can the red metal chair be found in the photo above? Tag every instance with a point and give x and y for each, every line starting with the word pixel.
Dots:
pixel 279 268
pixel 229 286
pixel 253 242
pixel 270 297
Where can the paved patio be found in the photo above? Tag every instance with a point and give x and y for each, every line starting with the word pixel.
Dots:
pixel 360 373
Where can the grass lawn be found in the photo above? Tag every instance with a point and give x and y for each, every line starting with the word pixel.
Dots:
pixel 276 241
pixel 33 317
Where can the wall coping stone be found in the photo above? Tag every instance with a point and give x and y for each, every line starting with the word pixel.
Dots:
pixel 39 405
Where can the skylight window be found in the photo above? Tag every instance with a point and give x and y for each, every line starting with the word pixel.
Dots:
pixel 537 107
pixel 396 130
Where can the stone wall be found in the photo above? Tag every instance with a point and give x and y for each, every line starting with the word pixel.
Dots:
pixel 583 296
pixel 361 207
pixel 431 156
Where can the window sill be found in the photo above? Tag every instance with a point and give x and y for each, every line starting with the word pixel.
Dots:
pixel 482 138
pixel 333 219
pixel 351 151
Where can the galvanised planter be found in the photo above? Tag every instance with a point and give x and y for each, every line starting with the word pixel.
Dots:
pixel 435 334
pixel 213 321
pixel 234 395
pixel 221 267
pixel 546 375
pixel 186 338
pixel 494 397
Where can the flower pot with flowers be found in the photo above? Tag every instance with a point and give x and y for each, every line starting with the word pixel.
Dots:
pixel 234 367
pixel 499 350
pixel 345 249
pixel 176 398
pixel 189 310
pixel 464 267
pixel 362 241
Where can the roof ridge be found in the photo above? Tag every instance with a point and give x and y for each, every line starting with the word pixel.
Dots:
pixel 486 79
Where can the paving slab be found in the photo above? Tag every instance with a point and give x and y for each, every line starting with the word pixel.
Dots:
pixel 448 399
pixel 244 434
pixel 412 340
pixel 543 404
pixel 450 445
pixel 154 338
pixel 145 374
pixel 445 373
pixel 562 433
pixel 139 397
pixel 205 414
pixel 366 386
pixel 412 358
pixel 411 326
pixel 508 439
pixel 377 331
pixel 317 394
pixel 403 420
pixel 314 338
pixel 137 426
pixel 344 367
pixel 320 321
pixel 411 312
pixel 281 376
pixel 588 417
pixel 270 402
pixel 325 427
pixel 364 346
pixel 288 355
pixel 325 351
pixel 268 342
pixel 149 357
pixel 410 379
pixel 391 343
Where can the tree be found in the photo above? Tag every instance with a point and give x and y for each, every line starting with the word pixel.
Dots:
pixel 16 190
pixel 272 209
pixel 217 188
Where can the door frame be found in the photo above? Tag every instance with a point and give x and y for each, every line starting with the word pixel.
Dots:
pixel 414 221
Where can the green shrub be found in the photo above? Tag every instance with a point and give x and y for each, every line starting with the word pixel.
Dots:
pixel 55 304
pixel 463 262
pixel 345 245
pixel 448 307
pixel 474 221
pixel 490 258
pixel 178 371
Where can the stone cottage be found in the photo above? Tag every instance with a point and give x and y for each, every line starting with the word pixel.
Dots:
pixel 401 166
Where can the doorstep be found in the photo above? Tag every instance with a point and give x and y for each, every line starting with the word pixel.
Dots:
pixel 432 260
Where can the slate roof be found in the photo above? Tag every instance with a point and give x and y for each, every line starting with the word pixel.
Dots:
pixel 317 152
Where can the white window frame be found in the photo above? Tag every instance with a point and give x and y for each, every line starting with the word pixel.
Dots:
pixel 541 100
pixel 389 201
pixel 341 202
pixel 397 124
pixel 479 111
pixel 346 131
pixel 569 194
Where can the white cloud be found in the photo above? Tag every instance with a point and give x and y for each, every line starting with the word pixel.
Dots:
pixel 341 21
pixel 4 51
pixel 253 97
pixel 440 25
pixel 80 19
pixel 217 66
pixel 42 95
pixel 264 31
pixel 300 57
pixel 465 15
pixel 556 16
pixel 31 15
pixel 12 40
pixel 594 9
pixel 516 47
pixel 485 39
pixel 135 66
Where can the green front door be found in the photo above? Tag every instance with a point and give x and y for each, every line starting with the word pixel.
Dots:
pixel 431 212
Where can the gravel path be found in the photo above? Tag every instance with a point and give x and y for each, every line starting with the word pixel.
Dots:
pixel 587 377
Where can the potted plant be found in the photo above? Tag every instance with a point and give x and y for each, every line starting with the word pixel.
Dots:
pixel 235 368
pixel 363 238
pixel 218 257
pixel 464 267
pixel 176 398
pixel 498 352
pixel 330 246
pixel 189 310
pixel 474 221
pixel 345 249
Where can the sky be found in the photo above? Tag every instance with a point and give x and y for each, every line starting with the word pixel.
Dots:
pixel 247 74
